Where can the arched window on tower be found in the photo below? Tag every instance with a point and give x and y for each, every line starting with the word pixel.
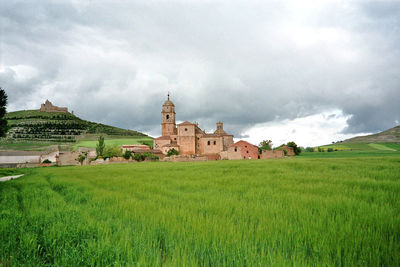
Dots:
pixel 167 117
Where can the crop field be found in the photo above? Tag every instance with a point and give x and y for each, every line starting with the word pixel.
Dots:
pixel 285 212
pixel 115 141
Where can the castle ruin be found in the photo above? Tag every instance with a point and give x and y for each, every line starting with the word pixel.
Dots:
pixel 49 107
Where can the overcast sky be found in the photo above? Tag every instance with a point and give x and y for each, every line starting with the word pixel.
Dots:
pixel 310 71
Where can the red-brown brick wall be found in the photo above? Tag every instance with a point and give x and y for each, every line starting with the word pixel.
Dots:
pixel 249 151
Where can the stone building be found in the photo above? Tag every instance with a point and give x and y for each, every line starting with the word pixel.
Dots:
pixel 241 150
pixel 188 138
pixel 49 107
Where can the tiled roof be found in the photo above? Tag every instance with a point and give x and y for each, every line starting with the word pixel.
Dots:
pixel 241 141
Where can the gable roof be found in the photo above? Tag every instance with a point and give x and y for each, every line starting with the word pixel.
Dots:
pixel 242 142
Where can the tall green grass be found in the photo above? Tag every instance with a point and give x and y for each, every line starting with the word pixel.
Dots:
pixel 297 212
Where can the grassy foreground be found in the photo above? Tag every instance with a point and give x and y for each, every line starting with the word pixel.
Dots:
pixel 299 212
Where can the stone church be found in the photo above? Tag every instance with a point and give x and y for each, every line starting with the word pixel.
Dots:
pixel 188 138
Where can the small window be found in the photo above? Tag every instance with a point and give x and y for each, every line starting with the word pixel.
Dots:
pixel 215 142
pixel 208 143
pixel 167 116
pixel 247 152
pixel 235 149
pixel 185 129
pixel 175 138
pixel 244 157
pixel 245 146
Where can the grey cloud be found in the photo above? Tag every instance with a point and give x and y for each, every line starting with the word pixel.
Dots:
pixel 241 63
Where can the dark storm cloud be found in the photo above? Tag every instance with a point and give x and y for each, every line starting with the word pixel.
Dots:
pixel 239 62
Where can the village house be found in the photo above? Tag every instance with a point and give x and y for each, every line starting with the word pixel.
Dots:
pixel 188 138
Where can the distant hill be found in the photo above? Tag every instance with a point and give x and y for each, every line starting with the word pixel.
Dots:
pixel 33 126
pixel 391 135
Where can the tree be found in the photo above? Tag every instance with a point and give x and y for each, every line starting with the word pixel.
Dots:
pixel 100 146
pixel 3 122
pixel 265 145
pixel 296 149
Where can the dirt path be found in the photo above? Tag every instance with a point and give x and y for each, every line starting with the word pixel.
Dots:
pixel 6 178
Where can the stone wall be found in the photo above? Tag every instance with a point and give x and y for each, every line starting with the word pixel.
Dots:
pixel 272 154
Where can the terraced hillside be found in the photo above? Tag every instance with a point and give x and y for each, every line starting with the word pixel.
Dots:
pixel 32 127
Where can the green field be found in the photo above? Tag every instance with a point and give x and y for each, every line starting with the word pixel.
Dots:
pixel 364 146
pixel 112 141
pixel 287 212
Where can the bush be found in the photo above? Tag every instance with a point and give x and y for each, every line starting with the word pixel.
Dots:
pixel 330 149
pixel 112 151
pixel 309 149
pixel 320 149
pixel 172 152
pixel 127 154
pixel 150 156
pixel 139 157
pixel 144 156
pixel 81 158
pixel 46 161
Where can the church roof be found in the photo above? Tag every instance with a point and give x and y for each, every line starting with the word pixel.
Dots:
pixel 168 103
pixel 186 123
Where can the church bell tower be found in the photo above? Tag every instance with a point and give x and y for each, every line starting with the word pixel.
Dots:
pixel 168 125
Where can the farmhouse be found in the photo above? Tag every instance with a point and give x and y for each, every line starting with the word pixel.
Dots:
pixel 188 138
pixel 49 107
pixel 241 150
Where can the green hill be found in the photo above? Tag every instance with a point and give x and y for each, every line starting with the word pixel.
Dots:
pixel 33 129
pixel 388 136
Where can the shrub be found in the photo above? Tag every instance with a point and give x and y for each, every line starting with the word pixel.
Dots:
pixel 127 154
pixel 309 149
pixel 81 158
pixel 330 149
pixel 139 157
pixel 112 151
pixel 320 149
pixel 46 161
pixel 144 156
pixel 172 152
pixel 150 156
